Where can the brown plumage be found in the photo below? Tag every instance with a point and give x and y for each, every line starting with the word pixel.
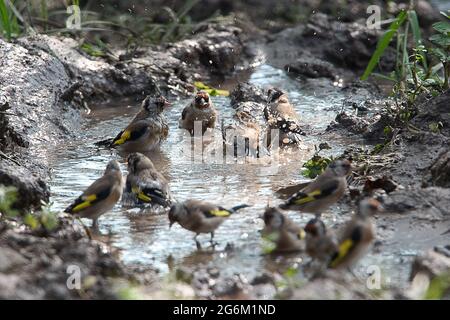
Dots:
pixel 144 184
pixel 323 192
pixel 280 115
pixel 200 109
pixel 200 216
pixel 287 236
pixel 101 196
pixel 147 129
pixel 357 235
pixel 321 243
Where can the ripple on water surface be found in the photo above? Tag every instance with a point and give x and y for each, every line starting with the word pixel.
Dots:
pixel 146 238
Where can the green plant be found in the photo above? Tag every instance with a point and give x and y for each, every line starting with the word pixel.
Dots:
pixel 315 166
pixel 211 91
pixel 43 218
pixel 413 73
pixel 442 49
pixel 439 286
pixel 9 27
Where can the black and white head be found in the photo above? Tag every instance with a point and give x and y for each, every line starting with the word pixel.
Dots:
pixel 138 162
pixel 113 166
pixel 273 218
pixel 274 94
pixel 369 207
pixel 340 168
pixel 315 228
pixel 155 104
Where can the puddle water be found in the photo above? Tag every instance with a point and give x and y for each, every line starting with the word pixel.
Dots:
pixel 146 239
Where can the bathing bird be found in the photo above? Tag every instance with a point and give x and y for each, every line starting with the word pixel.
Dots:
pixel 101 196
pixel 200 216
pixel 323 192
pixel 286 235
pixel 357 235
pixel 147 129
pixel 144 184
pixel 201 110
pixel 280 115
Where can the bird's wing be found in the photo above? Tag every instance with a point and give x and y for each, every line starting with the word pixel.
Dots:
pixel 183 114
pixel 210 211
pixel 132 132
pixel 149 190
pixel 96 192
pixel 314 191
pixel 346 246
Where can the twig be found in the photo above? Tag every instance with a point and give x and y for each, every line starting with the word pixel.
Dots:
pixel 6 157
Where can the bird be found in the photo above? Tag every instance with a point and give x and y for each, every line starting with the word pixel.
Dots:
pixel 201 110
pixel 323 192
pixel 144 184
pixel 101 196
pixel 280 115
pixel 200 216
pixel 147 129
pixel 287 236
pixel 321 244
pixel 242 136
pixel 357 235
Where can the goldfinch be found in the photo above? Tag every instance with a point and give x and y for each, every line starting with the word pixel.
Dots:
pixel 101 196
pixel 280 114
pixel 200 217
pixel 287 236
pixel 323 192
pixel 147 129
pixel 357 236
pixel 321 244
pixel 144 184
pixel 201 110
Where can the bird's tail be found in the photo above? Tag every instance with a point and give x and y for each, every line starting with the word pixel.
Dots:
pixel 239 207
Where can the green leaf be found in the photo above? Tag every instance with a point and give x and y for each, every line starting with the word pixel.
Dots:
pixel 414 21
pixel 438 286
pixel 441 40
pixel 31 221
pixel 441 54
pixel 383 44
pixel 315 166
pixel 211 91
pixel 442 27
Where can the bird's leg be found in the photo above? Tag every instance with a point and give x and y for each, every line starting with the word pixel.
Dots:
pixel 212 240
pixel 86 229
pixel 197 243
pixel 95 225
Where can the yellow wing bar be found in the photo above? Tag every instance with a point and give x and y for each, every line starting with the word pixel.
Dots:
pixel 85 204
pixel 123 138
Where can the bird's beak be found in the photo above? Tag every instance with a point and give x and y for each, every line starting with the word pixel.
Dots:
pixel 203 102
pixel 167 104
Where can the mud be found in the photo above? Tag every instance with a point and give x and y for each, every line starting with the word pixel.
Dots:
pixel 46 81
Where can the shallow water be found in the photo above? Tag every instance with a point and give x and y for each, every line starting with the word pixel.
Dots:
pixel 146 238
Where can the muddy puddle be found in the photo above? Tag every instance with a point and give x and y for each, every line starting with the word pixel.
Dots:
pixel 146 238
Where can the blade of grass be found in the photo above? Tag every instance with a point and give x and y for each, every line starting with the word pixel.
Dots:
pixel 4 20
pixel 185 10
pixel 383 44
pixel 415 28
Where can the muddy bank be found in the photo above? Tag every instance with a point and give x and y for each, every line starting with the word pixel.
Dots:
pixel 46 82
pixel 49 80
